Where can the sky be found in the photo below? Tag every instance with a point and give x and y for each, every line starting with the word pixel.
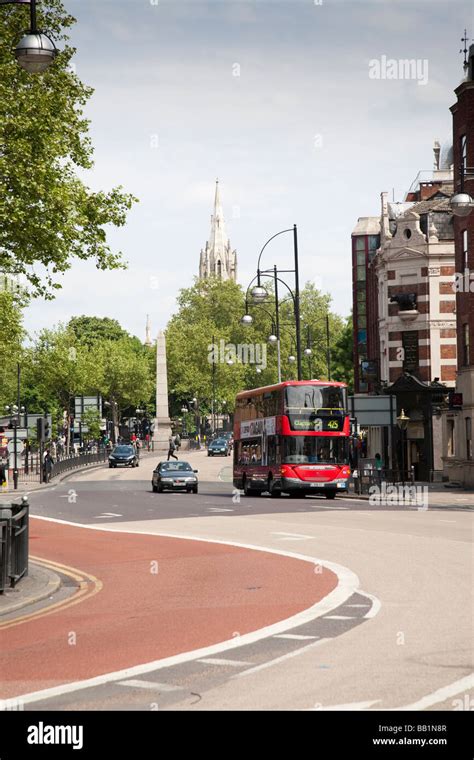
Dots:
pixel 276 98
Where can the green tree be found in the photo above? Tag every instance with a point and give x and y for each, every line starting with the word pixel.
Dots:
pixel 11 352
pixel 213 309
pixel 48 216
pixel 125 376
pixel 89 330
pixel 91 420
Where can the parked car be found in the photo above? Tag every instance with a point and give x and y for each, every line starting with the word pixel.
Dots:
pixel 219 447
pixel 174 476
pixel 123 456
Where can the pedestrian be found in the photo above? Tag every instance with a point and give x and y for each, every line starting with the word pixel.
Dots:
pixel 177 441
pixel 47 466
pixel 171 449
pixel 138 445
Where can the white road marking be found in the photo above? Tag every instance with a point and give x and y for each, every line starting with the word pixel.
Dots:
pixel 294 636
pixel 348 706
pixel 357 605
pixel 221 661
pixel 376 605
pixel 325 506
pixel 339 617
pixel 348 584
pixel 219 509
pixel 102 517
pixel 284 657
pixel 440 695
pixel 291 535
pixel 136 684
pixel 111 514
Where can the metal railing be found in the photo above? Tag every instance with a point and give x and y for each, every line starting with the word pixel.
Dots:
pixel 14 533
pixel 79 460
pixel 363 479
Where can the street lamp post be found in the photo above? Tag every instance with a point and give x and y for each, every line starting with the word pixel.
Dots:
pixel 461 203
pixel 402 422
pixel 296 295
pixel 35 52
pixel 14 411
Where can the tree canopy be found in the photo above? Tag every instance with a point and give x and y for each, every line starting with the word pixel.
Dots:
pixel 209 313
pixel 48 216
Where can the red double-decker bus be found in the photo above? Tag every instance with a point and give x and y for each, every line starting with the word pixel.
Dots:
pixel 292 438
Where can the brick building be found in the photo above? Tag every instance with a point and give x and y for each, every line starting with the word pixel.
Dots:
pixel 365 242
pixel 459 449
pixel 407 297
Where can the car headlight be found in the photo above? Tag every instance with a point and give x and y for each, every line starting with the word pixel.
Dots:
pixel 191 480
pixel 111 458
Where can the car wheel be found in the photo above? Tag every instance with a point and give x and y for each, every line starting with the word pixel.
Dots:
pixel 155 488
pixel 330 494
pixel 159 489
pixel 195 489
pixel 110 466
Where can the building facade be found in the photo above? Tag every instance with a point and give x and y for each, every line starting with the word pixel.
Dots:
pixel 405 316
pixel 365 242
pixel 218 259
pixel 459 449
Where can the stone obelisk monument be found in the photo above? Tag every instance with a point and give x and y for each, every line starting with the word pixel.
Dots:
pixel 162 429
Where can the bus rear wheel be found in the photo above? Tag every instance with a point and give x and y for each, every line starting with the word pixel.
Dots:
pixel 274 492
pixel 330 494
pixel 249 491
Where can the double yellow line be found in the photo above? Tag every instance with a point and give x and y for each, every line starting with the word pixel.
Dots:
pixel 87 586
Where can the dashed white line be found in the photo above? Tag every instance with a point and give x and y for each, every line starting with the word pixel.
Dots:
pixel 222 661
pixel 290 535
pixel 136 684
pixel 281 659
pixel 338 617
pixel 297 636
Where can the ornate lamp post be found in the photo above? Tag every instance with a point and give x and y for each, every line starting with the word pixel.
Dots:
pixel 402 422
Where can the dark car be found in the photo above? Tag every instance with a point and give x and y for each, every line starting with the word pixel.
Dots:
pixel 219 447
pixel 175 476
pixel 123 456
pixel 229 437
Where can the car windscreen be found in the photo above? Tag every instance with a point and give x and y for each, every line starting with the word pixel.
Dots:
pixel 175 467
pixel 123 450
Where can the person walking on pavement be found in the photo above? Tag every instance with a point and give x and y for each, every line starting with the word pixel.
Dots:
pixel 47 466
pixel 177 441
pixel 172 449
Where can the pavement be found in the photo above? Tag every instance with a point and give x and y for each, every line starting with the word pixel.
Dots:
pixel 215 627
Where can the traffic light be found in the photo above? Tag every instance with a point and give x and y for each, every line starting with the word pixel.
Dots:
pixel 40 428
pixel 47 430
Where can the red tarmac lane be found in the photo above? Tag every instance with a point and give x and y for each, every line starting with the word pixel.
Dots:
pixel 202 594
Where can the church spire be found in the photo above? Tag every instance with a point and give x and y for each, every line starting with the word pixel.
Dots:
pixel 218 259
pixel 218 237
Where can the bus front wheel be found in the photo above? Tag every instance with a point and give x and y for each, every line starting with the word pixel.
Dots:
pixel 330 494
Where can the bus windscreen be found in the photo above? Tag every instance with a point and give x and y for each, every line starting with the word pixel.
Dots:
pixel 315 408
